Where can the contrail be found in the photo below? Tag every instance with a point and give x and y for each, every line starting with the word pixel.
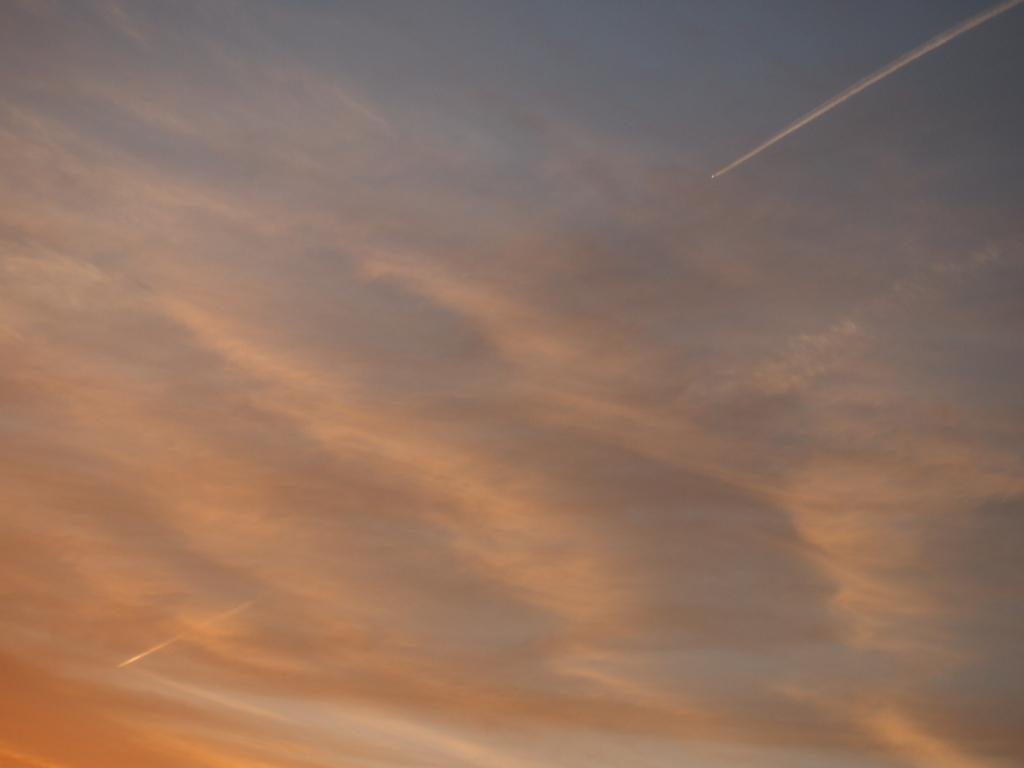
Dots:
pixel 888 69
pixel 180 635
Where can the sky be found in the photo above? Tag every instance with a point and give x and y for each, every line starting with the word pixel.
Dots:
pixel 389 385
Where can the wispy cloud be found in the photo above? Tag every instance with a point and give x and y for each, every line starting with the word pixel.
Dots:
pixel 544 450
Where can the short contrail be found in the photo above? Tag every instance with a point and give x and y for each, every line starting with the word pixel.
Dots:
pixel 177 637
pixel 888 69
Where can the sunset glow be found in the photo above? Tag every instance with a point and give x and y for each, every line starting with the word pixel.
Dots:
pixel 388 384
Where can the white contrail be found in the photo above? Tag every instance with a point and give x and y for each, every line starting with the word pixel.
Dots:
pixel 888 69
pixel 180 635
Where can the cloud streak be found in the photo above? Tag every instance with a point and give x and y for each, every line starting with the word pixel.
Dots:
pixel 190 631
pixel 873 78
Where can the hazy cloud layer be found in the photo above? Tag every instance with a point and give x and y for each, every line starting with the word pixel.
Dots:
pixel 404 368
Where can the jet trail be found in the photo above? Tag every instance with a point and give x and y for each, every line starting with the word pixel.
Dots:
pixel 888 69
pixel 165 643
